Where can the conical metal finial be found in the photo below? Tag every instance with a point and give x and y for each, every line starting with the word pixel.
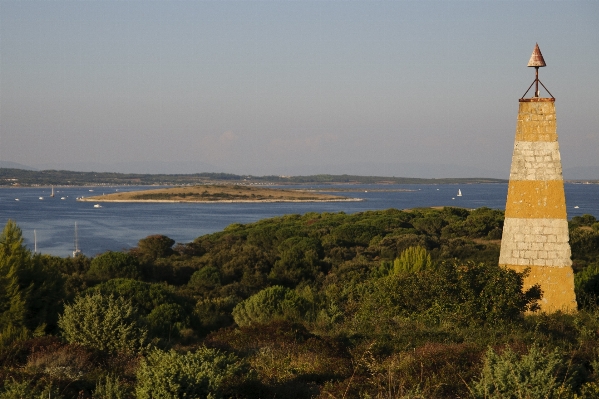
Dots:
pixel 536 59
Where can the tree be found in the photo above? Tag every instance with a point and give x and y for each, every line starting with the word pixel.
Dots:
pixel 14 257
pixel 154 247
pixel 103 322
pixel 111 265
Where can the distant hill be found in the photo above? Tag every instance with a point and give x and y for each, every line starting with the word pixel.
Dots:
pixel 63 177
pixel 14 165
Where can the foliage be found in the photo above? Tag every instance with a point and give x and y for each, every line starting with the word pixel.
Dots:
pixel 586 283
pixel 204 373
pixel 25 390
pixel 14 257
pixel 110 388
pixel 412 259
pixel 111 265
pixel 318 317
pixel 205 279
pixel 102 322
pixel 537 374
pixel 30 292
pixel 272 303
pixel 154 247
pixel 473 293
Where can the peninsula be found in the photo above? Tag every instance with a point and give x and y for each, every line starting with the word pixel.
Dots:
pixel 218 193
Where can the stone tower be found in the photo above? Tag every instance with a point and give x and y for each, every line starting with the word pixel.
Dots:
pixel 535 231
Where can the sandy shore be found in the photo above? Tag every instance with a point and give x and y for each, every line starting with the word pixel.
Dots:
pixel 97 199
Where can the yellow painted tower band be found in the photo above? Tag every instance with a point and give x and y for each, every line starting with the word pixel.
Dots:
pixel 535 231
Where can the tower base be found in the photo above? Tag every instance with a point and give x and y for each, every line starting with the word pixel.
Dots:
pixel 557 284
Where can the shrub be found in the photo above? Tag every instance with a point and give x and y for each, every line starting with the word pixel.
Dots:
pixel 25 390
pixel 534 375
pixel 154 247
pixel 110 387
pixel 111 265
pixel 271 303
pixel 102 322
pixel 412 259
pixel 586 284
pixel 167 320
pixel 205 279
pixel 202 374
pixel 450 293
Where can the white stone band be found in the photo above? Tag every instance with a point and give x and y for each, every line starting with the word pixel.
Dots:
pixel 536 160
pixel 539 242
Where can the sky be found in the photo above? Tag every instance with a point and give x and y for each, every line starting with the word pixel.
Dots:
pixel 390 88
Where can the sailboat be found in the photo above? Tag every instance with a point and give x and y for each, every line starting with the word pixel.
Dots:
pixel 459 193
pixel 77 251
pixel 34 241
pixel 52 195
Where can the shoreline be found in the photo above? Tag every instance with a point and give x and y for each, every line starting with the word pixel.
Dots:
pixel 92 199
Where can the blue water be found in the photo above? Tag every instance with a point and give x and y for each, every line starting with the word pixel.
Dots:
pixel 118 226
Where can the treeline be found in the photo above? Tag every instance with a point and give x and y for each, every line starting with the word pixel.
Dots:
pixel 12 177
pixel 380 304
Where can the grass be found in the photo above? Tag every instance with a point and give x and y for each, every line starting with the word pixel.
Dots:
pixel 214 193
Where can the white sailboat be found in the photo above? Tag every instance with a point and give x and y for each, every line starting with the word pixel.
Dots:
pixel 459 193
pixel 77 251
pixel 52 194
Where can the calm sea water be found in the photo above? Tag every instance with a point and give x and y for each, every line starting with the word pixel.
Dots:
pixel 118 226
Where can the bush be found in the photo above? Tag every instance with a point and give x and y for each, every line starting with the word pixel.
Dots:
pixel 110 387
pixel 534 375
pixel 271 303
pixel 102 322
pixel 111 265
pixel 167 320
pixel 586 284
pixel 205 279
pixel 154 247
pixel 462 295
pixel 202 374
pixel 412 259
pixel 25 390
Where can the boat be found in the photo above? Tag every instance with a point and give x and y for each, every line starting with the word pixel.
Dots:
pixel 63 198
pixel 52 194
pixel 77 251
pixel 41 198
pixel 34 241
pixel 97 206
pixel 576 207
pixel 16 199
pixel 459 193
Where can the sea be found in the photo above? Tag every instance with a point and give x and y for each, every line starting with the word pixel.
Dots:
pixel 48 223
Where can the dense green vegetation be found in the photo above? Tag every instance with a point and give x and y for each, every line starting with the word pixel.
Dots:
pixel 12 177
pixel 380 304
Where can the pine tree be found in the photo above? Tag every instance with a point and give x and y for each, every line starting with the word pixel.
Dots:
pixel 13 298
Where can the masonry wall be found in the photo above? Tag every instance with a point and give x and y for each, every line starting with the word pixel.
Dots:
pixel 535 231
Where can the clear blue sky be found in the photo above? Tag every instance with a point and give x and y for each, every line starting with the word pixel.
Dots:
pixel 290 87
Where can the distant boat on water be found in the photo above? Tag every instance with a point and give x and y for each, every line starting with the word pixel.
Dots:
pixel 97 206
pixel 52 194
pixel 77 251
pixel 459 193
